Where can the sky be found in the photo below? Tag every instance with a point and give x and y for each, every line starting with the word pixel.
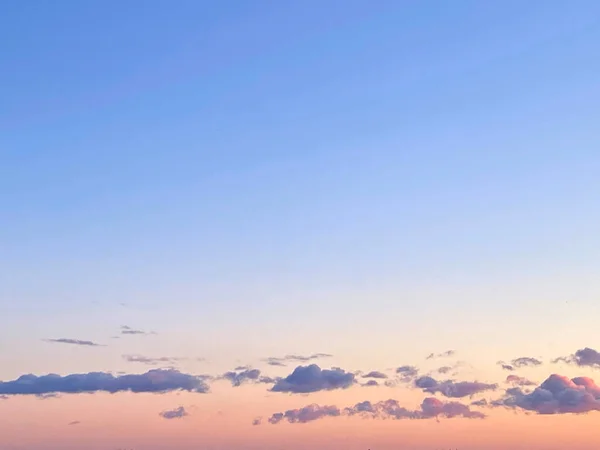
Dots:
pixel 292 224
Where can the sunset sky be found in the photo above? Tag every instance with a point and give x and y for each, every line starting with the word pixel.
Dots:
pixel 299 224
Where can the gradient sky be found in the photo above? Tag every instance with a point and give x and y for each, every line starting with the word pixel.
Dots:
pixel 218 183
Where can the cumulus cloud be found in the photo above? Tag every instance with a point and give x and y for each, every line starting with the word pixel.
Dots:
pixel 73 342
pixel 371 383
pixel 519 381
pixel 177 413
pixel 557 395
pixel 156 381
pixel 246 375
pixel 282 361
pixel 407 373
pixel 312 378
pixel 525 361
pixel 375 374
pixel 445 354
pixel 585 357
pixel 480 402
pixel 453 389
pixel 388 409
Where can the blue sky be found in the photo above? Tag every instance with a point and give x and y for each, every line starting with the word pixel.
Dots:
pixel 257 178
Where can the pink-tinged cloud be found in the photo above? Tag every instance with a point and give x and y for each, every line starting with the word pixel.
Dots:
pixel 388 409
pixel 453 389
pixel 557 395
pixel 585 357
pixel 306 379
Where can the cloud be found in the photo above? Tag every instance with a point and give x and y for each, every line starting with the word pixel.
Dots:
pixel 585 357
pixel 172 360
pixel 525 361
pixel 388 409
pixel 282 361
pixel 177 413
pixel 132 331
pixel 505 366
pixel 453 389
pixel 444 369
pixel 480 402
pixel 73 342
pixel 407 373
pixel 557 395
pixel 305 414
pixel 75 422
pixel 156 380
pixel 375 374
pixel 370 383
pixel 257 421
pixel 312 378
pixel 445 354
pixel 519 381
pixel 237 377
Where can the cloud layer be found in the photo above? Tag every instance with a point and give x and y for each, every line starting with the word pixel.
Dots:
pixel 152 381
pixel 388 409
pixel 312 378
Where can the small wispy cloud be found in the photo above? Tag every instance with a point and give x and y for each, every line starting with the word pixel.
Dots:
pixel 282 361
pixel 505 366
pixel 75 422
pixel 375 374
pixel 177 413
pixel 407 373
pixel 453 389
pixel 516 380
pixel 257 421
pixel 152 361
pixel 525 361
pixel 73 342
pixel 125 329
pixel 445 354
